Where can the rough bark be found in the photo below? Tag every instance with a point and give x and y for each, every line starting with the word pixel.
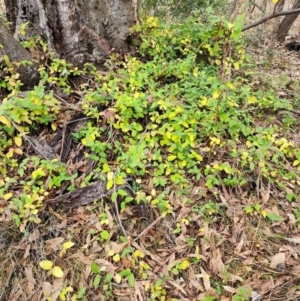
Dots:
pixel 286 23
pixel 231 9
pixel 29 75
pixel 278 8
pixel 80 30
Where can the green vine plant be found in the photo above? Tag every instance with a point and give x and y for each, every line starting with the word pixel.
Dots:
pixel 177 112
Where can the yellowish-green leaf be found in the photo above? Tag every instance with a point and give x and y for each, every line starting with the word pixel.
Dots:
pixel 184 265
pixel 57 272
pixel 38 174
pixel 67 245
pixel 4 120
pixel 109 184
pixel 46 265
pixel 171 158
pixel 7 196
pixel 296 162
pixel 236 65
pixel 216 94
pixel 120 180
pixel 110 176
pixel 172 115
pixel 105 168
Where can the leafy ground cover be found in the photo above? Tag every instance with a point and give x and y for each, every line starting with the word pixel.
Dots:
pixel 172 174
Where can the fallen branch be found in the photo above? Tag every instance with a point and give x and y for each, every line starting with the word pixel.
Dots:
pixel 265 19
pixel 85 195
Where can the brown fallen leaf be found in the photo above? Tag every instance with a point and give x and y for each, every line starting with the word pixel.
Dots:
pixel 216 264
pixel 295 240
pixel 277 260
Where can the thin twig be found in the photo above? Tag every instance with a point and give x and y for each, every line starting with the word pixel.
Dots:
pixel 148 228
pixel 117 210
pixel 62 141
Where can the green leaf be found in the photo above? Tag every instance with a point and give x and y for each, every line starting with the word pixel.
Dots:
pixel 274 217
pixel 81 292
pixel 94 267
pixel 171 158
pixel 131 280
pixel 125 273
pixel 104 234
pixel 96 281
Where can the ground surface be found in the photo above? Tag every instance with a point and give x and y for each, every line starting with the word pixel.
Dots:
pixel 209 248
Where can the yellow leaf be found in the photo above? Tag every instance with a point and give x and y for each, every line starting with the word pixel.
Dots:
pixel 138 253
pixel 4 120
pixel 53 127
pixel 18 151
pixel 46 265
pixel 18 141
pixel 296 162
pixel 111 253
pixel 230 25
pixel 118 278
pixel 263 213
pixel 57 272
pixel 7 196
pixel 216 94
pixel 109 184
pixel 275 1
pixel 68 245
pixel 184 265
pixel 10 152
pixel 116 258
pixel 110 176
pixel 236 66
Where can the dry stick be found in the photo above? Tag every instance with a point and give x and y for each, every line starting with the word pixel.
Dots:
pixel 148 228
pixel 117 210
pixel 264 19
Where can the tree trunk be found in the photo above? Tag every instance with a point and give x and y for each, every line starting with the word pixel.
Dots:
pixel 286 23
pixel 279 8
pixel 82 31
pixel 29 75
